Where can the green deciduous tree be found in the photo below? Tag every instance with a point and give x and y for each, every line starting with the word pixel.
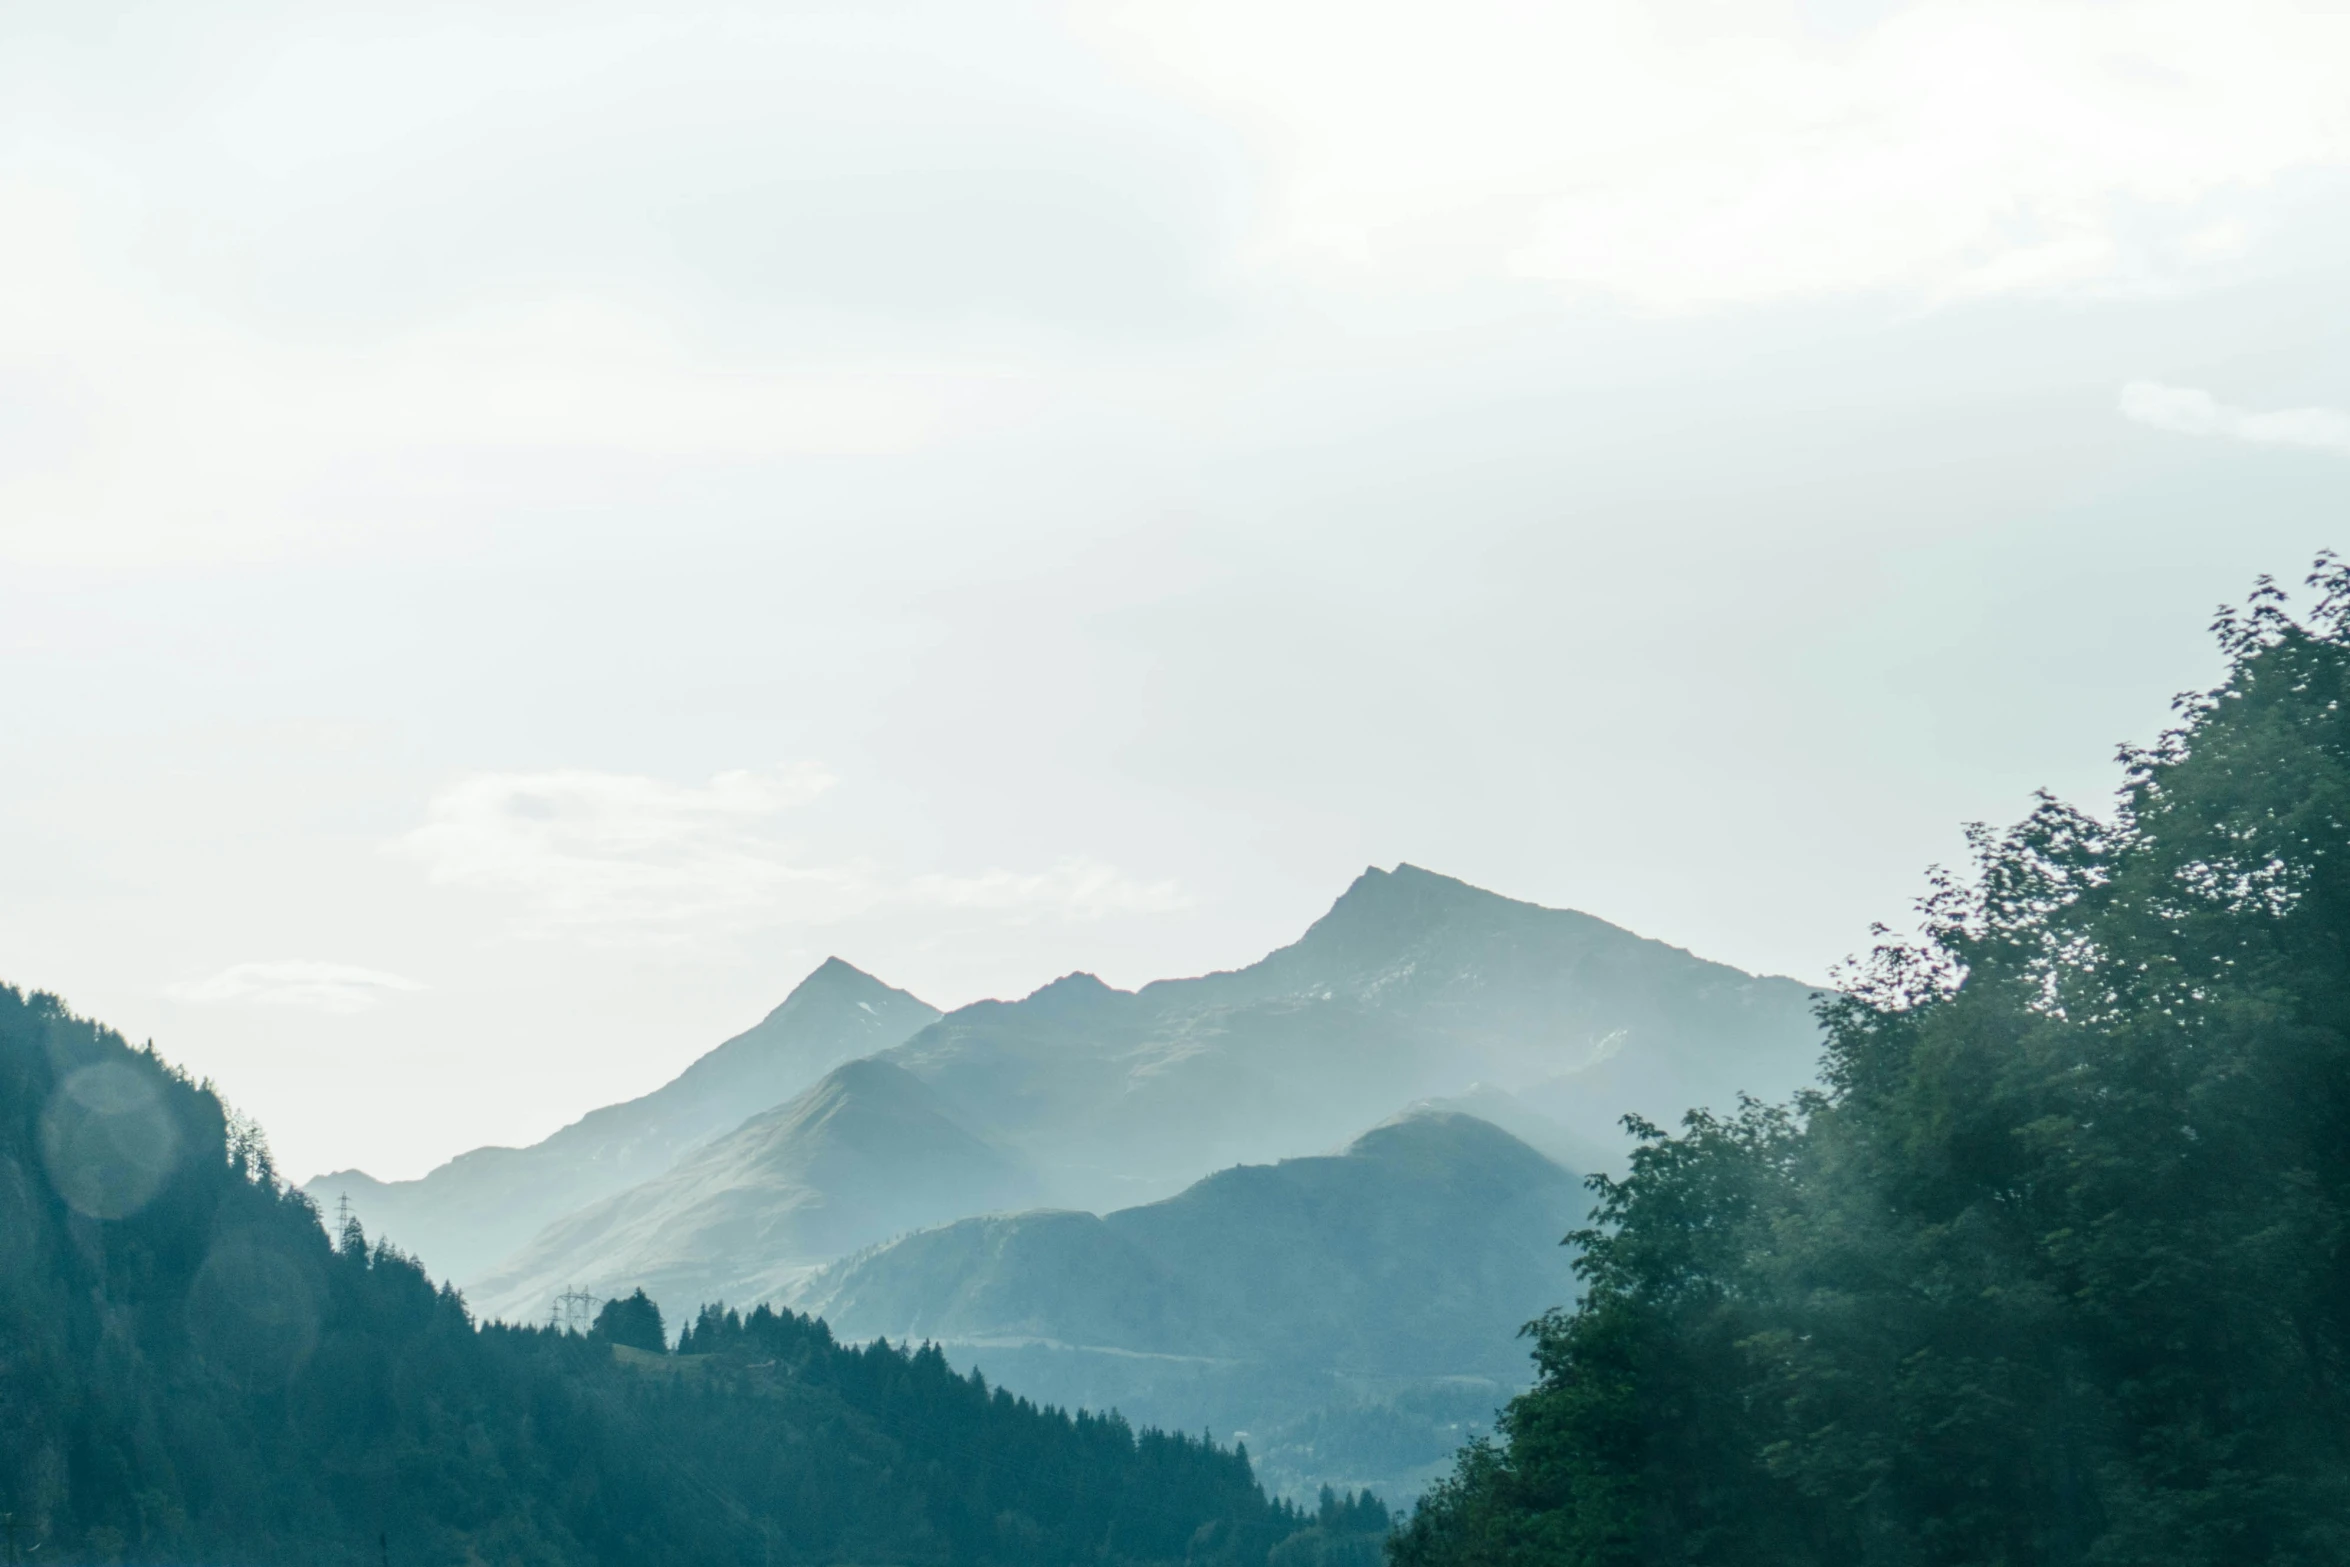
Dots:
pixel 2053 1270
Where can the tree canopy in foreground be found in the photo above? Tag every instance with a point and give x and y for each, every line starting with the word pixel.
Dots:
pixel 2053 1269
pixel 192 1369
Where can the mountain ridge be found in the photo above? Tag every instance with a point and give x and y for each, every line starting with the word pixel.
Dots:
pixel 1262 1298
pixel 866 1152
pixel 471 1211
pixel 1412 988
pixel 1412 985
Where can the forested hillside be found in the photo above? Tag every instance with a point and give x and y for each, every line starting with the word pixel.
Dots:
pixel 2056 1268
pixel 192 1370
pixel 1350 1313
pixel 1412 1252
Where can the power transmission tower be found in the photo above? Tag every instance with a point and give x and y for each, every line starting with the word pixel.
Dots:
pixel 574 1311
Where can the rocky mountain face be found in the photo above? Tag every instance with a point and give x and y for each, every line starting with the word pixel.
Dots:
pixel 471 1213
pixel 1380 1288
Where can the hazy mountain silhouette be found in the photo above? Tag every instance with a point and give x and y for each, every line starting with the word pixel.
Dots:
pixel 472 1212
pixel 1547 1137
pixel 1418 1250
pixel 867 1153
pixel 1414 985
pixel 1266 1299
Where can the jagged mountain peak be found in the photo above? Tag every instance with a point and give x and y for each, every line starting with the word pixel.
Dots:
pixel 1077 988
pixel 1387 929
pixel 835 982
pixel 1389 910
pixel 834 970
pixel 473 1211
pixel 850 1010
pixel 1380 919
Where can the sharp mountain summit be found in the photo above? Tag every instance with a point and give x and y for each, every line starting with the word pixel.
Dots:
pixel 1107 1194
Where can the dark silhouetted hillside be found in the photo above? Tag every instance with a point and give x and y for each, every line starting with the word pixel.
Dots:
pixel 1262 1298
pixel 191 1370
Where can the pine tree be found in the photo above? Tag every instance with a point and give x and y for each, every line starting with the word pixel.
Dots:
pixel 633 1320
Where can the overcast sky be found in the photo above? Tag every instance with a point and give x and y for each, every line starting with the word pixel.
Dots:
pixel 523 527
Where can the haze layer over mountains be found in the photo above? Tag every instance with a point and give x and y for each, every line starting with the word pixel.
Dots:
pixel 479 1206
pixel 1397 1107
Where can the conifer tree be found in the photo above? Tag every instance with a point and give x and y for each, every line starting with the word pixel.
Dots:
pixel 633 1320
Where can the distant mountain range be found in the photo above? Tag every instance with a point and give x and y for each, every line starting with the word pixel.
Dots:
pixel 855 1114
pixel 1418 1250
pixel 1413 985
pixel 1272 1301
pixel 870 1151
pixel 471 1213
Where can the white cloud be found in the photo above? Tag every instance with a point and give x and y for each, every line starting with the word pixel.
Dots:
pixel 625 859
pixel 160 434
pixel 1078 888
pixel 320 987
pixel 2189 411
pixel 368 253
pixel 389 265
pixel 587 850
pixel 1698 154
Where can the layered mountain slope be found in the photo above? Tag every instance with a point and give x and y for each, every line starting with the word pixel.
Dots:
pixel 1530 1126
pixel 867 1153
pixel 1413 985
pixel 472 1212
pixel 1532 992
pixel 1352 1315
pixel 1417 1251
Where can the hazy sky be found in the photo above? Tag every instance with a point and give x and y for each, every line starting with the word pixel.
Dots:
pixel 523 527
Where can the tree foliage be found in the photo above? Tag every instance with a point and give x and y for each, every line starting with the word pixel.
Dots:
pixel 190 1369
pixel 2053 1270
pixel 633 1320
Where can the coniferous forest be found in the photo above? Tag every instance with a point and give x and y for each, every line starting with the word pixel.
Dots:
pixel 2055 1266
pixel 192 1369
